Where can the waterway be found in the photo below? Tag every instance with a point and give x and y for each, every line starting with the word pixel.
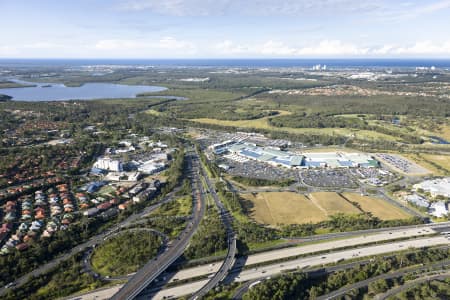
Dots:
pixel 87 91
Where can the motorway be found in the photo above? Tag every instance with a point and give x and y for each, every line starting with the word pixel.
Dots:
pixel 411 284
pixel 287 253
pixel 340 243
pixel 312 273
pixel 297 264
pixel 363 238
pixel 400 273
pixel 155 267
pixel 227 220
pixel 91 242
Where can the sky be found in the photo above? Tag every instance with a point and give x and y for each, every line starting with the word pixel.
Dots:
pixel 224 29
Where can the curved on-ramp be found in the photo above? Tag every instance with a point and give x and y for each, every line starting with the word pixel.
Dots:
pixel 155 267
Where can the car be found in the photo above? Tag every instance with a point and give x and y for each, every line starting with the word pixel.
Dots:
pixel 9 285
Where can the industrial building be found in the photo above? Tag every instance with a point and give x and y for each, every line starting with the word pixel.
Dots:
pixel 438 209
pixel 268 155
pixel 417 200
pixel 107 163
pixel 242 152
pixel 436 187
pixel 339 160
pixel 221 148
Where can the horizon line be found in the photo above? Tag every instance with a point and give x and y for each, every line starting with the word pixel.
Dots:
pixel 225 58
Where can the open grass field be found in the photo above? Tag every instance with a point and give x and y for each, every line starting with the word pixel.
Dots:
pixel 442 160
pixel 283 208
pixel 445 132
pixel 378 207
pixel 424 161
pixel 332 203
pixel 263 123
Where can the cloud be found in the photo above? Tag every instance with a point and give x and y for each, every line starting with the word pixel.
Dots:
pixel 168 43
pixel 228 47
pixel 281 49
pixel 8 51
pixel 431 8
pixel 424 48
pixel 277 48
pixel 331 48
pixel 383 50
pixel 410 11
pixel 378 10
pixel 308 7
pixel 171 47
pixel 177 7
pixel 44 45
pixel 249 7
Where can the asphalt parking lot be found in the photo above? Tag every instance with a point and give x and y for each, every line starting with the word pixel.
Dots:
pixel 374 176
pixel 259 170
pixel 400 163
pixel 340 178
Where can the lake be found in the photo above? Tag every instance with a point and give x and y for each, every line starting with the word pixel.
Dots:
pixel 88 91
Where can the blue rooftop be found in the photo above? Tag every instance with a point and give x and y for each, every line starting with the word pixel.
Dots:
pixel 281 161
pixel 250 153
pixel 346 163
pixel 312 164
pixel 97 171
pixel 94 186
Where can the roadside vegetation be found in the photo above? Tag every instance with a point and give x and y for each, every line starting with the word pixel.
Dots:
pixel 209 239
pixel 181 207
pixel 262 182
pixel 434 289
pixel 299 285
pixel 125 253
pixel 61 281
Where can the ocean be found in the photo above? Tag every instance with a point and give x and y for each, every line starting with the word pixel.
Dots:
pixel 234 63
